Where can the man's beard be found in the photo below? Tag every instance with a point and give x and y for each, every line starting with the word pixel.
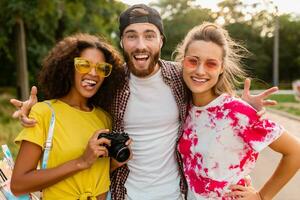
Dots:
pixel 141 73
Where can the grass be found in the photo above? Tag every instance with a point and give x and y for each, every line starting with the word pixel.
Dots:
pixel 9 127
pixel 286 103
pixel 288 109
pixel 282 98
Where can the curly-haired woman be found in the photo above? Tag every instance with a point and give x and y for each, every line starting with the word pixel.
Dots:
pixel 79 76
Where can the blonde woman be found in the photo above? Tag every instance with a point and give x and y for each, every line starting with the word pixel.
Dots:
pixel 223 134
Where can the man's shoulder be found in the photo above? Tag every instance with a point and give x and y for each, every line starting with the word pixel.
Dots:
pixel 169 63
pixel 171 67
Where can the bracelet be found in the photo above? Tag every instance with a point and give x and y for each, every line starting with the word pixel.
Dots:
pixel 259 196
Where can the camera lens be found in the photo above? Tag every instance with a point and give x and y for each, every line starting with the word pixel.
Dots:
pixel 123 154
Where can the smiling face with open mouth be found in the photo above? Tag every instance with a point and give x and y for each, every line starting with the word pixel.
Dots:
pixel 202 66
pixel 87 84
pixel 141 44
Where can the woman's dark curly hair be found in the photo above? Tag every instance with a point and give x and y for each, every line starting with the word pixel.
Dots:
pixel 57 75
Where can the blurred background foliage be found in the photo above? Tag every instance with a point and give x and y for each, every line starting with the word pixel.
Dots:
pixel 252 25
pixel 47 21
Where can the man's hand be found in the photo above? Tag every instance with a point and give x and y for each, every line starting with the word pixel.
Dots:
pixel 258 101
pixel 24 107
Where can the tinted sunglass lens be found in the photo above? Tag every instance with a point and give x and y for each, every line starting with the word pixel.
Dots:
pixel 191 62
pixel 103 70
pixel 83 68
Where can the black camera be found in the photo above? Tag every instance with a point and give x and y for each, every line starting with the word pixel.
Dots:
pixel 118 150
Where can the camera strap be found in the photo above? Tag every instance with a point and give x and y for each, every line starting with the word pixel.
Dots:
pixel 48 143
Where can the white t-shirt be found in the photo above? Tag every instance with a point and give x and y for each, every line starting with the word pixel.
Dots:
pixel 220 145
pixel 152 121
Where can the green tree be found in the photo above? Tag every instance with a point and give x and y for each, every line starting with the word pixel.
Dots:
pixel 251 24
pixel 289 48
pixel 46 22
pixel 254 26
pixel 178 18
pixel 231 11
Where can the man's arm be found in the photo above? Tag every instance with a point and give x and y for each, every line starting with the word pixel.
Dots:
pixel 24 107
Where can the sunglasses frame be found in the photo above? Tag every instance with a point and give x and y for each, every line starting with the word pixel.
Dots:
pixel 91 66
pixel 198 63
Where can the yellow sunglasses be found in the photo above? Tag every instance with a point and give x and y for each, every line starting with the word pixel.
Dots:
pixel 84 66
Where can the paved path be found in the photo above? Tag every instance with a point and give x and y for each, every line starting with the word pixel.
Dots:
pixel 268 161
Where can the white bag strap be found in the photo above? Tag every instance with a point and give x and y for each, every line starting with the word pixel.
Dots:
pixel 48 143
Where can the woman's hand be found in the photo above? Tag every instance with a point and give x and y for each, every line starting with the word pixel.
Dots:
pixel 244 193
pixel 95 148
pixel 258 101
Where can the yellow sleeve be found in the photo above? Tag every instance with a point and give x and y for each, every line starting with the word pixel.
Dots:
pixel 37 134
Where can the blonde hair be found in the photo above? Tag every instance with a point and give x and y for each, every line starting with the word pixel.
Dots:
pixel 233 72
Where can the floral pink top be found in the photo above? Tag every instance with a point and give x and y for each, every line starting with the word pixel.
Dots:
pixel 220 145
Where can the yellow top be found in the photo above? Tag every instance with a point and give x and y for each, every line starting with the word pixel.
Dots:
pixel 73 128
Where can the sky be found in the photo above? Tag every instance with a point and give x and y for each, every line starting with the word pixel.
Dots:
pixel 284 6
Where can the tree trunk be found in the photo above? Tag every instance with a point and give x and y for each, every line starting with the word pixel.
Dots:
pixel 22 72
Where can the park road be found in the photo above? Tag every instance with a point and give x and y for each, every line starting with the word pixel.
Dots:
pixel 269 159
